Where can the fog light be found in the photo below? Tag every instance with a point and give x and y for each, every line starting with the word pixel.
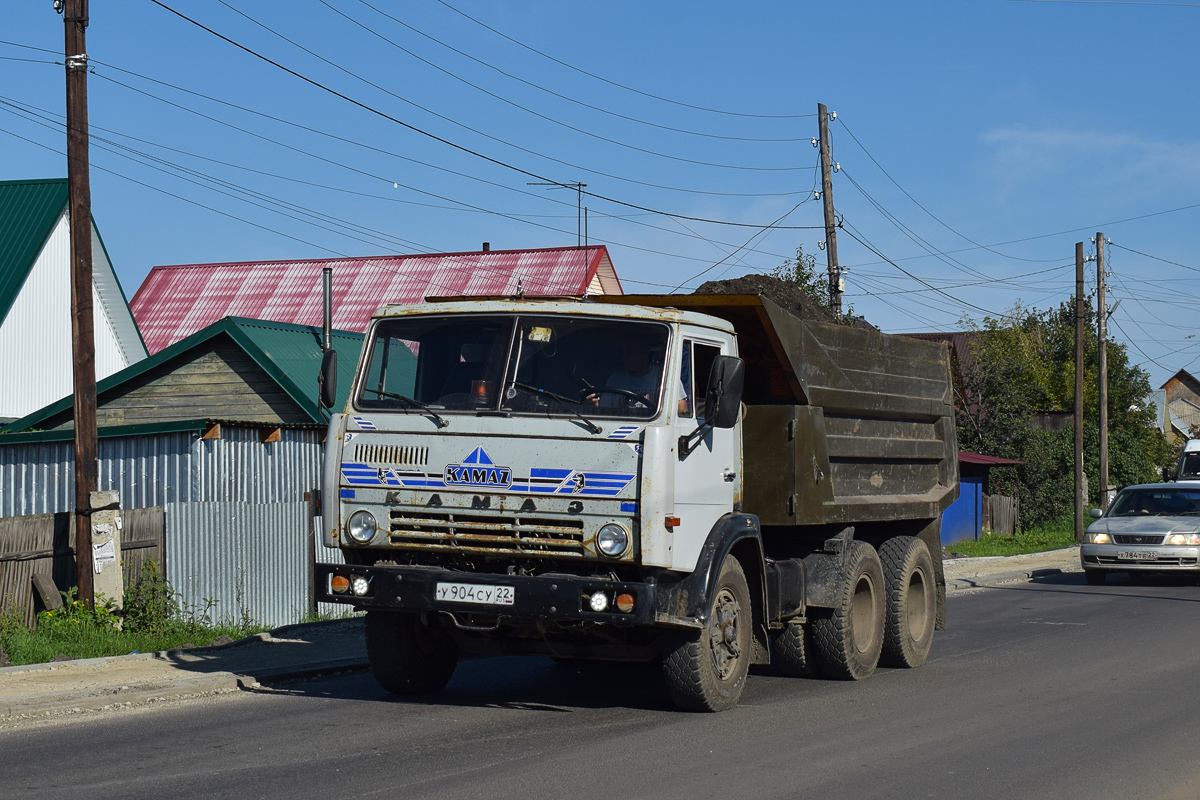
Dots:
pixel 612 540
pixel 359 585
pixel 598 601
pixel 361 526
pixel 338 584
pixel 624 603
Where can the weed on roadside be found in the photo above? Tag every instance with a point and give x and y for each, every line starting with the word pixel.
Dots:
pixel 1054 535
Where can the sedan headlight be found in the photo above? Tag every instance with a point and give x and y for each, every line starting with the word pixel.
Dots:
pixel 613 540
pixel 361 527
pixel 1184 538
pixel 1097 538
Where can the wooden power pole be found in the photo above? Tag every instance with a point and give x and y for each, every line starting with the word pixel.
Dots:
pixel 835 272
pixel 1080 500
pixel 1102 367
pixel 83 344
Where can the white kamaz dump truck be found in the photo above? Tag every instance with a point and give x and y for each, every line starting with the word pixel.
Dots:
pixel 707 481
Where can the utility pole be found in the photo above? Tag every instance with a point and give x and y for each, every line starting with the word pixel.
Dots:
pixel 1080 500
pixel 1102 367
pixel 83 343
pixel 835 272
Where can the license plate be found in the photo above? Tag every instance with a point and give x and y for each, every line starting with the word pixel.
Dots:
pixel 476 593
pixel 1136 555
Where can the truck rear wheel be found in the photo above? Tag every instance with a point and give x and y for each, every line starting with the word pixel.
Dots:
pixel 409 656
pixel 706 669
pixel 911 602
pixel 849 638
pixel 792 651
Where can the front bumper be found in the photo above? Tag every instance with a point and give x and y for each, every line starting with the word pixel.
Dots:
pixel 1132 558
pixel 552 597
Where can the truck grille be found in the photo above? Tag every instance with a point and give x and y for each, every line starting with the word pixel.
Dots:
pixel 487 534
pixel 1124 538
pixel 391 455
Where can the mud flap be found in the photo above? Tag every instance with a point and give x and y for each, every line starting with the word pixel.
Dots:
pixel 931 535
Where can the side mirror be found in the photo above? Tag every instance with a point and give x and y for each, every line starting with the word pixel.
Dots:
pixel 1095 513
pixel 1167 475
pixel 327 380
pixel 723 399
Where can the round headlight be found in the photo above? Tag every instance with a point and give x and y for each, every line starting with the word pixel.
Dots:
pixel 613 540
pixel 361 526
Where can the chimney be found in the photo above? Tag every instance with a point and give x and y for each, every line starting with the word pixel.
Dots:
pixel 487 246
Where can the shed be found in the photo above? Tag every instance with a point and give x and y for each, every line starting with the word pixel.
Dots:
pixel 974 511
pixel 35 300
pixel 219 438
pixel 176 301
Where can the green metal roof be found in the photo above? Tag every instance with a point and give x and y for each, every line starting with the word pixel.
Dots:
pixel 290 354
pixel 28 211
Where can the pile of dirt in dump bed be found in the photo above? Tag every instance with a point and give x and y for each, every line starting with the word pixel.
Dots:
pixel 785 294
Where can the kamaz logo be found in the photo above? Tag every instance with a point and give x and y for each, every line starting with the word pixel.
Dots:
pixel 477 469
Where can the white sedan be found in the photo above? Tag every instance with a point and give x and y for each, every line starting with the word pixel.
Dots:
pixel 1153 527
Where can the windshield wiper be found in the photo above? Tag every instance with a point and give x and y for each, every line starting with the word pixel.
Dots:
pixel 565 401
pixel 442 422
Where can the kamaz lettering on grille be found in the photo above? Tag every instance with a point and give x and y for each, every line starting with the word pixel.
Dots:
pixel 477 469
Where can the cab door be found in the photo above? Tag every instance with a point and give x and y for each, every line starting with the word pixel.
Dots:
pixel 705 479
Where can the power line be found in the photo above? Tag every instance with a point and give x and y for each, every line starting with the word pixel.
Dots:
pixel 926 210
pixel 494 96
pixel 567 98
pixel 616 84
pixel 441 139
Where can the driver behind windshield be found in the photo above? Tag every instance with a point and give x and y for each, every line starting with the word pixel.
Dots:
pixel 638 375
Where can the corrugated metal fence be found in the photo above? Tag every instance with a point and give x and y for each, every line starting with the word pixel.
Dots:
pixel 240 561
pixel 156 469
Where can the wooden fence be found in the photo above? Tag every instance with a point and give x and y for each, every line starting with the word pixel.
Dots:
pixel 1001 514
pixel 45 543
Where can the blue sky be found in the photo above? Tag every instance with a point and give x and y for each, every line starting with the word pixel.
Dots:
pixel 1022 126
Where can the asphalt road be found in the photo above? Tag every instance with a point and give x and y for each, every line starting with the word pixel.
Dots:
pixel 1044 689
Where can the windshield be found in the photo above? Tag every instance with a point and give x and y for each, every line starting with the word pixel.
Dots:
pixel 1190 468
pixel 557 365
pixel 1156 502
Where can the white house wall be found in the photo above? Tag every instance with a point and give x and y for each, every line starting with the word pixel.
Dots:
pixel 35 337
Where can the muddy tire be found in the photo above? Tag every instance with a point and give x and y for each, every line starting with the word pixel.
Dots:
pixel 792 651
pixel 849 638
pixel 706 669
pixel 911 602
pixel 407 655
pixel 1095 577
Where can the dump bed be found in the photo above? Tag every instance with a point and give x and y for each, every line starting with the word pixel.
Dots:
pixel 842 424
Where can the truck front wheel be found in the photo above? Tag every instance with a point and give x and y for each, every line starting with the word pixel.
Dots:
pixel 407 655
pixel 706 669
pixel 911 602
pixel 849 637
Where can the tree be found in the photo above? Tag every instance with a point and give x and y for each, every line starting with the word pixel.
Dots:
pixel 1025 363
pixel 801 271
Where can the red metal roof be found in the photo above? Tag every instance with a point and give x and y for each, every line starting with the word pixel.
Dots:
pixel 991 461
pixel 176 301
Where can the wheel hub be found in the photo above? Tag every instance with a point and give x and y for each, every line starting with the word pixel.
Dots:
pixel 723 634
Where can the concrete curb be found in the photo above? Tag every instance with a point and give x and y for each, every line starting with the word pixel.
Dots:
pixel 136 694
pixel 984 581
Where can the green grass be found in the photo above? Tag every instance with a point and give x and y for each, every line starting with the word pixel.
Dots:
pixel 152 619
pixel 1054 535
pixel 86 638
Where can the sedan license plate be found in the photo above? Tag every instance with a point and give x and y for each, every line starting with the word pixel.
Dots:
pixel 476 593
pixel 1136 555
